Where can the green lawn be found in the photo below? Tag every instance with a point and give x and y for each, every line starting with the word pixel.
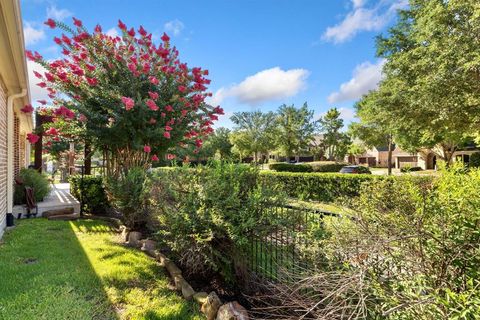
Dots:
pixel 78 270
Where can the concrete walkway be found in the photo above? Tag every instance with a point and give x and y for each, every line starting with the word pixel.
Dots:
pixel 59 198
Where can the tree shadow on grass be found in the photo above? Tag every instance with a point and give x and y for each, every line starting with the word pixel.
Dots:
pixel 61 283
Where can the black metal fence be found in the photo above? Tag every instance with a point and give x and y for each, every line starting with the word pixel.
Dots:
pixel 290 246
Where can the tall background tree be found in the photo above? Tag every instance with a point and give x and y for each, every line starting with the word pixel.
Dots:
pixel 334 141
pixel 256 130
pixel 432 62
pixel 295 129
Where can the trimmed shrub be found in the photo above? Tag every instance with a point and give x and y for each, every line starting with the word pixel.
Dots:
pixel 31 178
pixel 475 160
pixel 94 197
pixel 326 167
pixel 410 169
pixel 129 195
pixel 208 215
pixel 288 167
pixel 325 187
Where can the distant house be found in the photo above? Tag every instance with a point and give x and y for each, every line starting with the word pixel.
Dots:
pixel 14 124
pixel 425 158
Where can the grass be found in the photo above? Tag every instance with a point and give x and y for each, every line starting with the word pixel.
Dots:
pixel 79 270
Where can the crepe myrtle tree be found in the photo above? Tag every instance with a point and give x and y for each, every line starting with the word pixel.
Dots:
pixel 134 100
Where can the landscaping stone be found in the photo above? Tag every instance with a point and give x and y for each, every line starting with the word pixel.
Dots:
pixel 134 238
pixel 211 305
pixel 65 217
pixel 149 246
pixel 125 233
pixel 172 269
pixel 161 258
pixel 182 285
pixel 232 311
pixel 58 212
pixel 200 297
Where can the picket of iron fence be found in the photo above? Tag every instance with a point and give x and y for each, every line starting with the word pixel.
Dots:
pixel 282 248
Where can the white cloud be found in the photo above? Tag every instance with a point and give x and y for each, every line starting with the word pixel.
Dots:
pixel 358 3
pixel 112 32
pixel 365 78
pixel 270 84
pixel 175 27
pixel 58 14
pixel 363 19
pixel 36 92
pixel 31 34
pixel 347 114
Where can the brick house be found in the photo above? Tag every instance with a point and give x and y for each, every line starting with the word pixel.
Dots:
pixel 14 94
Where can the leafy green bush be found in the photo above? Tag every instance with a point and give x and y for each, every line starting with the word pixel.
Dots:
pixel 325 187
pixel 414 244
pixel 91 192
pixel 208 215
pixel 288 167
pixel 475 160
pixel 326 166
pixel 128 194
pixel 408 168
pixel 31 178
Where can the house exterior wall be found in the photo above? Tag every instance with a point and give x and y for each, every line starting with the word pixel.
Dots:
pixel 3 158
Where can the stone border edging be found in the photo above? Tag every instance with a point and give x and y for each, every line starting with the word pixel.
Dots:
pixel 210 304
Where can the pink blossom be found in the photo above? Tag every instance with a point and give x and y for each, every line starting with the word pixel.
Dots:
pixel 198 143
pixel 182 88
pixel 153 80
pixel 169 108
pixel 27 109
pixel 147 149
pixel 51 131
pixel 151 104
pixel 166 134
pixel 131 32
pixel 165 37
pixel 128 102
pixel 77 22
pixel 51 23
pixel 153 95
pixel 32 138
pixel 168 128
pixel 42 102
pixel 82 118
pixel 152 121
pixel 92 81
pixel 170 156
pixel 122 25
pixel 98 28
pixel 155 157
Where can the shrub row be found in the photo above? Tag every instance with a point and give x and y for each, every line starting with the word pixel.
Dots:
pixel 307 167
pixel 288 167
pixel 94 197
pixel 325 187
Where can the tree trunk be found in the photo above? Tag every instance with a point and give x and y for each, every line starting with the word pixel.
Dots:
pixel 87 159
pixel 39 144
pixel 389 158
pixel 390 151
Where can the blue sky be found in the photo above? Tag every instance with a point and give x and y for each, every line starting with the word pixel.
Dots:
pixel 260 53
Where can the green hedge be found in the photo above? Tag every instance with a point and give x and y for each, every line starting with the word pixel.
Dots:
pixel 327 167
pixel 410 169
pixel 288 167
pixel 31 178
pixel 324 187
pixel 94 197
